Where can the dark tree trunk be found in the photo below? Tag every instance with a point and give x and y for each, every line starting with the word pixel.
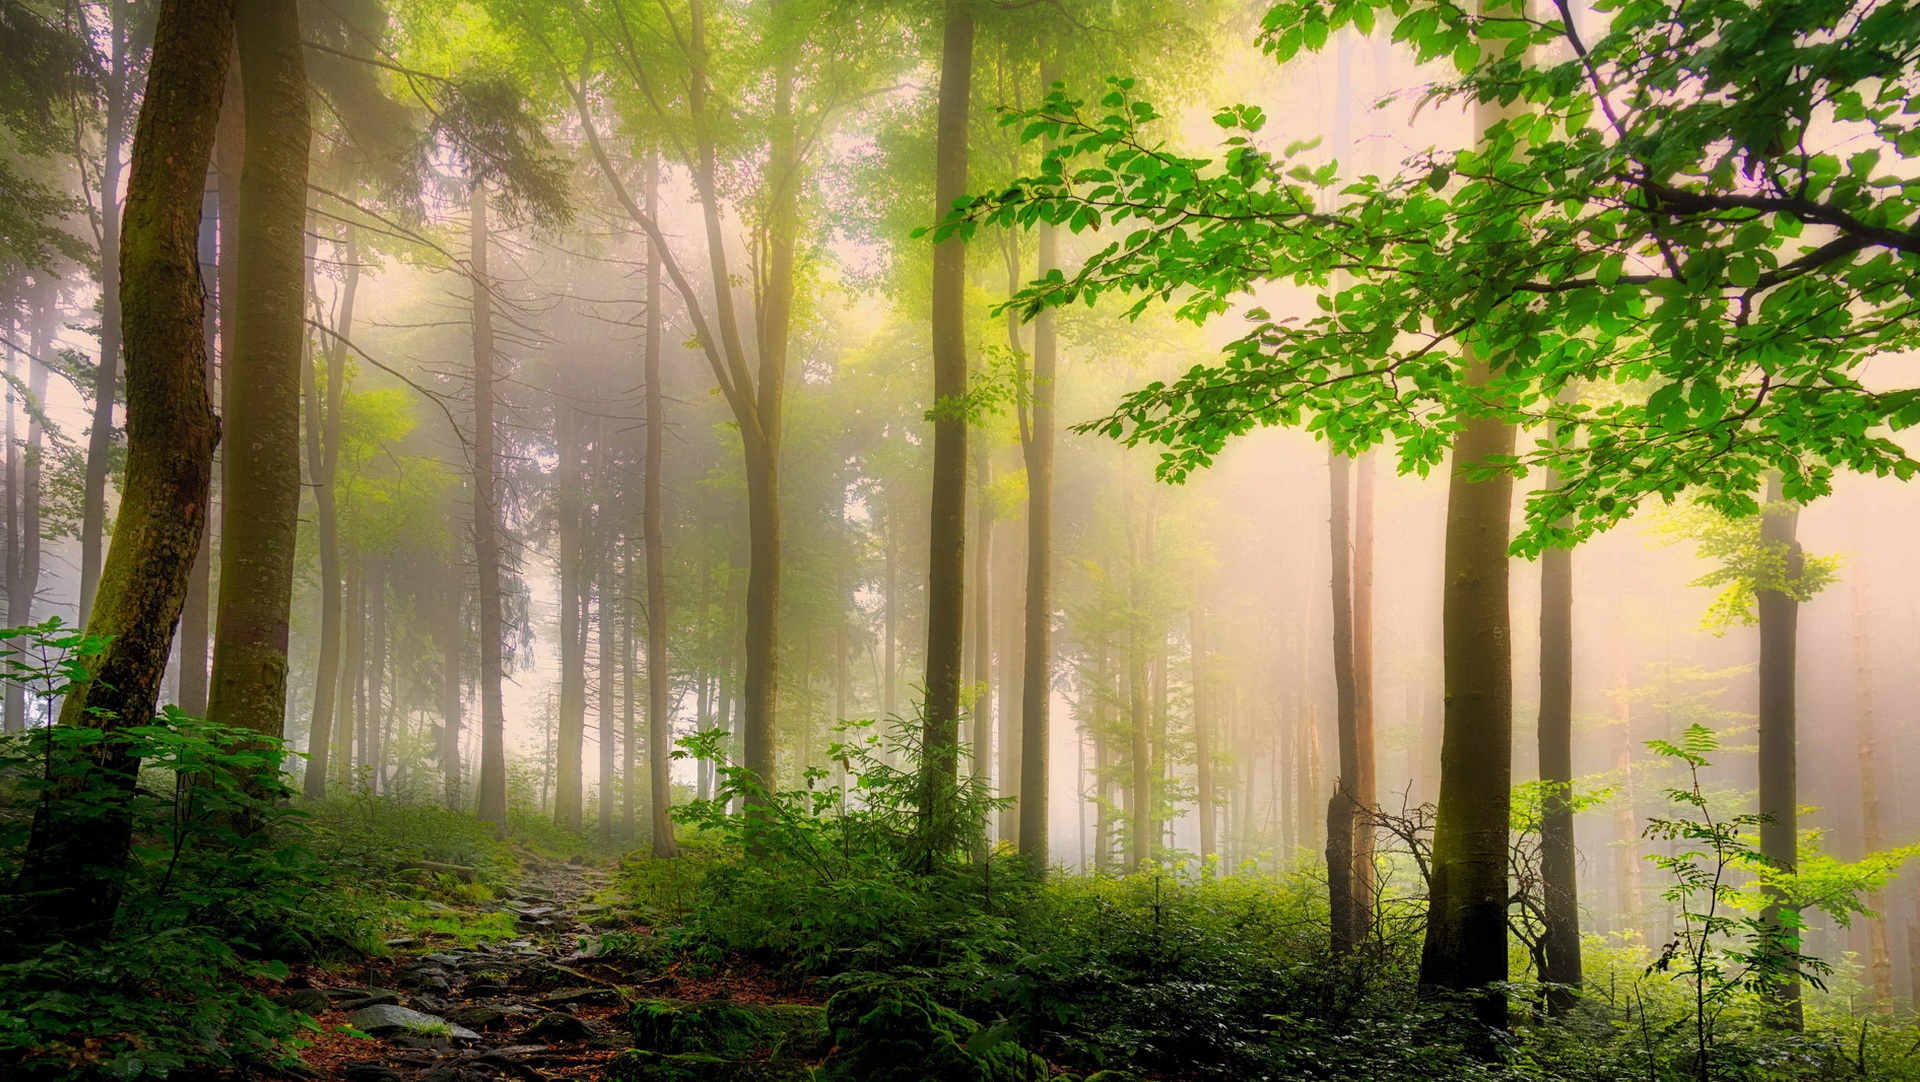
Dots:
pixel 23 576
pixel 1779 766
pixel 659 739
pixel 1348 885
pixel 70 871
pixel 492 802
pixel 262 493
pixel 1558 857
pixel 947 527
pixel 1466 943
pixel 196 627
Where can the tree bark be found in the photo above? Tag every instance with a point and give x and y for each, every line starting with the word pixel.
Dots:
pixel 1879 956
pixel 196 628
pixel 653 533
pixel 1203 746
pixel 1139 721
pixel 452 636
pixel 1466 944
pixel 323 411
pixel 23 577
pixel 1349 882
pixel 947 525
pixel 1779 768
pixel 1558 857
pixel 492 802
pixel 70 870
pixel 262 494
pixel 569 481
pixel 606 716
pixel 981 683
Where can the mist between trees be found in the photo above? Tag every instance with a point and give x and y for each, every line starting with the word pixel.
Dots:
pixel 1438 467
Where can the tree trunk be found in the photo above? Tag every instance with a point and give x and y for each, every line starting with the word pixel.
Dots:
pixel 353 651
pixel 323 455
pixel 1347 892
pixel 567 786
pixel 23 578
pixel 947 526
pixel 1779 768
pixel 890 680
pixel 452 636
pixel 196 628
pixel 607 717
pixel 659 737
pixel 1558 857
pixel 69 875
pixel 1203 748
pixel 106 386
pixel 492 803
pixel 262 494
pixel 1879 956
pixel 629 761
pixel 1139 722
pixel 982 625
pixel 1466 944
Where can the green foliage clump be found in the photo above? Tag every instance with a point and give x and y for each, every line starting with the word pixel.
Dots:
pixel 219 891
pixel 893 1031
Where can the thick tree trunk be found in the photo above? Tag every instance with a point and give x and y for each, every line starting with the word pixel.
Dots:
pixel 653 535
pixel 1558 857
pixel 70 871
pixel 492 801
pixel 1779 767
pixel 262 493
pixel 1466 944
pixel 947 526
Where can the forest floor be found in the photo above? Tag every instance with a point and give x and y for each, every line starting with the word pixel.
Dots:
pixel 541 1006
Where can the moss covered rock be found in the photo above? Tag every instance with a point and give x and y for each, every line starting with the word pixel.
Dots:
pixel 726 1028
pixel 894 1032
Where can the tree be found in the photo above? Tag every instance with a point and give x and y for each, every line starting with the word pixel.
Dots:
pixel 69 878
pixel 262 492
pixel 1778 602
pixel 1559 860
pixel 947 532
pixel 653 536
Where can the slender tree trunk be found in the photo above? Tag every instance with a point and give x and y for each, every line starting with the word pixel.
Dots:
pixel 353 650
pixel 262 494
pixel 1879 956
pixel 377 631
pixel 196 627
pixel 23 578
pixel 567 785
pixel 1779 767
pixel 629 751
pixel 1139 721
pixel 486 529
pixel 1626 823
pixel 606 716
pixel 653 516
pixel 890 680
pixel 452 636
pixel 1203 747
pixel 1366 755
pixel 1347 896
pixel 1558 857
pixel 323 411
pixel 947 527
pixel 106 386
pixel 982 680
pixel 68 877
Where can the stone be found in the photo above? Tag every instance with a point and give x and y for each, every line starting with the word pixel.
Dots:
pixel 353 999
pixel 455 1073
pixel 636 1065
pixel 304 1000
pixel 444 958
pixel 557 1028
pixel 386 1019
pixel 369 1071
pixel 582 997
pixel 477 1017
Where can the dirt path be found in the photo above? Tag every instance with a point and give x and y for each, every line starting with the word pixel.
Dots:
pixel 533 1008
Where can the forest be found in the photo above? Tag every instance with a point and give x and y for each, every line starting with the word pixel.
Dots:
pixel 959 540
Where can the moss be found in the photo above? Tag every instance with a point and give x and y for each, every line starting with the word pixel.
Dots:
pixel 725 1028
pixel 636 1065
pixel 894 1032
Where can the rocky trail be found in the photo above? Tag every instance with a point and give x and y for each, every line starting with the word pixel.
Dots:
pixel 534 1008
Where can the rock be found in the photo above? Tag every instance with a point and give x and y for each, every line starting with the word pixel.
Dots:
pixel 403 941
pixel 455 1073
pixel 477 1017
pixel 303 1000
pixel 385 1019
pixel 639 1066
pixel 558 1028
pixel 353 999
pixel 369 1071
pixel 445 958
pixel 582 997
pixel 1114 1076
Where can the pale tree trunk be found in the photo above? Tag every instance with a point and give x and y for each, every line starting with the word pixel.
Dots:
pixel 1879 956
pixel 981 682
pixel 195 641
pixel 69 875
pixel 567 785
pixel 262 493
pixel 1349 870
pixel 323 455
pixel 23 577
pixel 606 717
pixel 1203 747
pixel 353 649
pixel 452 636
pixel 659 738
pixel 106 386
pixel 492 799
pixel 1558 857
pixel 1139 720
pixel 947 527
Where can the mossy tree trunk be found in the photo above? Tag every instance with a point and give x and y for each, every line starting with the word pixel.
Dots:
pixel 71 872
